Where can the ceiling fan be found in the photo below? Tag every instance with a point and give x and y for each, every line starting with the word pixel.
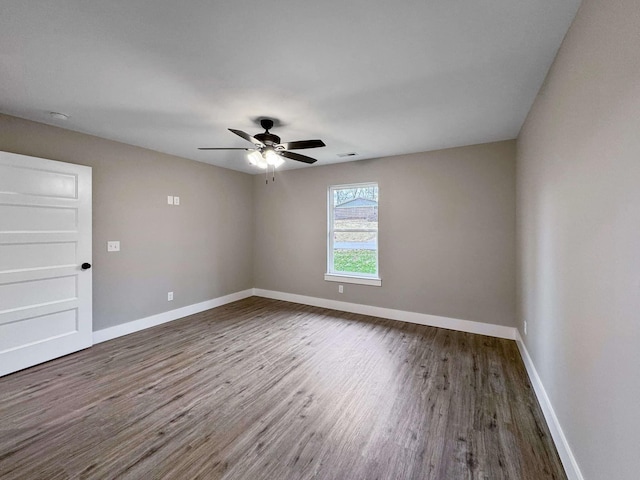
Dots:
pixel 268 151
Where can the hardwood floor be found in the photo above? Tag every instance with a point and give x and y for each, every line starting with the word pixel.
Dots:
pixel 264 389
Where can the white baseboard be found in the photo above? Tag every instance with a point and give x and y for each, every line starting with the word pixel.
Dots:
pixel 401 315
pixel 564 450
pixel 469 326
pixel 164 317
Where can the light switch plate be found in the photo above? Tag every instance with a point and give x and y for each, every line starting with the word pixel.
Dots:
pixel 170 200
pixel 176 200
pixel 113 246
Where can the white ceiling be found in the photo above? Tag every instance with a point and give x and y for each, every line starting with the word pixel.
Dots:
pixel 376 77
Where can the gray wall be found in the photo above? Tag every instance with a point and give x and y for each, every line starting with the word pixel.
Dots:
pixel 446 232
pixel 579 237
pixel 199 250
pixel 447 227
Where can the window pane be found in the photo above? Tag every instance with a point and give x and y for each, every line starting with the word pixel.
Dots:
pixel 356 224
pixel 355 208
pixel 355 252
pixel 342 196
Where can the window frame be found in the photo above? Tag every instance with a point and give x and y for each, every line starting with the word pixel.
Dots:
pixel 349 277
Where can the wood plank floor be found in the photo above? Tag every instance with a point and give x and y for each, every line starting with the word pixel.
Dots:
pixel 263 389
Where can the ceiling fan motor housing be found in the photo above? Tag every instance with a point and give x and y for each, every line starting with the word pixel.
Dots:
pixel 268 139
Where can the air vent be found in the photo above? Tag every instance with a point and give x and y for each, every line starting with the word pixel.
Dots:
pixel 59 116
pixel 350 154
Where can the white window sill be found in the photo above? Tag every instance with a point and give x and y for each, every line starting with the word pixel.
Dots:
pixel 334 277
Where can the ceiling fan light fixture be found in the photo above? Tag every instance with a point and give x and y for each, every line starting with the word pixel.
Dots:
pixel 255 158
pixel 272 158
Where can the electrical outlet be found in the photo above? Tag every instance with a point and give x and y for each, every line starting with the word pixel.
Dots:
pixel 340 288
pixel 525 327
pixel 176 200
pixel 170 200
pixel 113 246
pixel 170 297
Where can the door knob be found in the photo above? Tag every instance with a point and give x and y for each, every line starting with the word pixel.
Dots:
pixel 86 266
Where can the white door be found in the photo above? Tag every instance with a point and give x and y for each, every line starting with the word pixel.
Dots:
pixel 45 237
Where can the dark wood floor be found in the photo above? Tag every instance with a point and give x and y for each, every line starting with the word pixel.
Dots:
pixel 263 389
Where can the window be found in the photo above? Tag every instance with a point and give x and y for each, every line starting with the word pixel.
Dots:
pixel 352 246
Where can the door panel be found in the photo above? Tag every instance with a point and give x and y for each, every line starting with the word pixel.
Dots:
pixel 29 331
pixel 45 235
pixel 37 255
pixel 21 218
pixel 37 182
pixel 20 295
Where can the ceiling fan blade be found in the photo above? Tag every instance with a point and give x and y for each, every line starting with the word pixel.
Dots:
pixel 301 144
pixel 247 137
pixel 297 156
pixel 215 148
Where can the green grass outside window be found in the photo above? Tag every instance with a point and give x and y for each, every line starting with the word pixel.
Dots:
pixel 355 261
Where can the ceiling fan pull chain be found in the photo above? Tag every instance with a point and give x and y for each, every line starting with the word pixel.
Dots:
pixel 274 173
